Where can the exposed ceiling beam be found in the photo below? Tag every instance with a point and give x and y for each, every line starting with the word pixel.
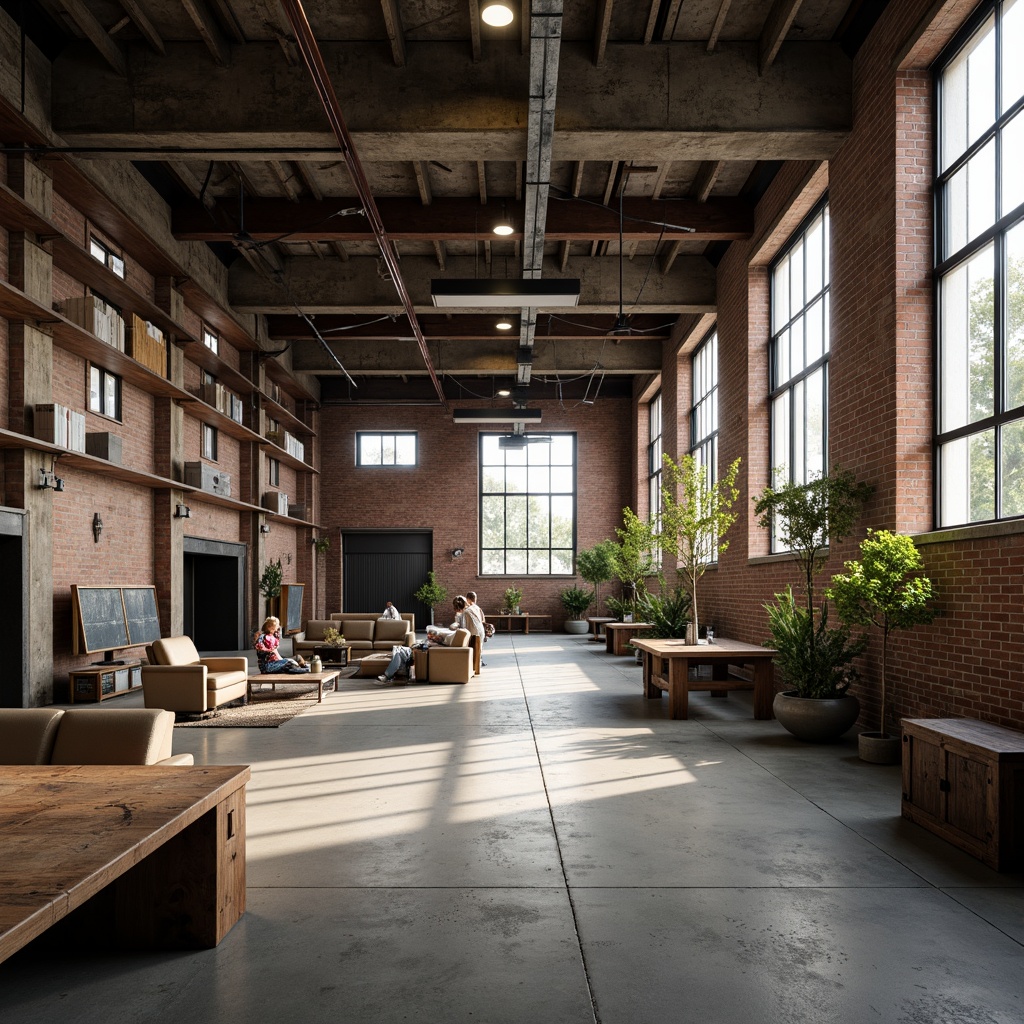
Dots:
pixel 143 24
pixel 568 219
pixel 184 176
pixel 307 175
pixel 481 179
pixel 396 34
pixel 704 180
pixel 716 29
pixel 422 172
pixel 96 34
pixel 208 31
pixel 474 29
pixel 652 21
pixel 286 179
pixel 776 28
pixel 601 28
pixel 671 17
pixel 229 19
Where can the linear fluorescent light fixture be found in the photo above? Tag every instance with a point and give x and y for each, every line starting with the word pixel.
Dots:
pixel 496 415
pixel 473 291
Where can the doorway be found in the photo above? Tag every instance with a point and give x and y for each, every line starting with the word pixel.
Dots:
pixel 213 606
pixel 14 683
pixel 386 566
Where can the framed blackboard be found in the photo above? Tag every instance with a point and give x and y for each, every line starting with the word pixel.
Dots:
pixel 291 607
pixel 106 618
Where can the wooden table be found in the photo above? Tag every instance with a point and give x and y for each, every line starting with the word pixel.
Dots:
pixel 163 849
pixel 596 622
pixel 619 634
pixel 329 675
pixel 524 618
pixel 333 654
pixel 667 665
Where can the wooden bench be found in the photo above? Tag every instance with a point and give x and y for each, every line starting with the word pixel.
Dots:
pixel 165 847
pixel 543 622
pixel 619 634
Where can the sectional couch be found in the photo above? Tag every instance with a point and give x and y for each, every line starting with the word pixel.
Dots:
pixel 363 631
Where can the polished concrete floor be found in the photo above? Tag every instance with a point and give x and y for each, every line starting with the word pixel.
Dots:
pixel 544 845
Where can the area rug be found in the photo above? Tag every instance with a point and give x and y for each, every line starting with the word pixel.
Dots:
pixel 267 709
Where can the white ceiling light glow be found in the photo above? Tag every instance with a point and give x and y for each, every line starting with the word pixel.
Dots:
pixel 496 15
pixel 503 229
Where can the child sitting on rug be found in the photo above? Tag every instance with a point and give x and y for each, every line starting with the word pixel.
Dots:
pixel 270 660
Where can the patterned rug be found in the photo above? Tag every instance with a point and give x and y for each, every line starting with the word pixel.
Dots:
pixel 267 709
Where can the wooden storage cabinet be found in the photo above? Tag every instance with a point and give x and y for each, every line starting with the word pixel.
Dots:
pixel 99 682
pixel 964 781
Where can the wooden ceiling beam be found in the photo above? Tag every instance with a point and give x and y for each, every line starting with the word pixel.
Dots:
pixel 716 29
pixel 141 21
pixel 208 31
pixel 776 28
pixel 601 29
pixel 96 34
pixel 396 33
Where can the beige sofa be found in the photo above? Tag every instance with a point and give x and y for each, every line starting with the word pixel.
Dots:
pixel 93 736
pixel 363 633
pixel 452 664
pixel 177 679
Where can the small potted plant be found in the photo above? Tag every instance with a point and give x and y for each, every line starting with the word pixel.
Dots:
pixel 333 638
pixel 512 599
pixel 886 589
pixel 576 600
pixel 431 594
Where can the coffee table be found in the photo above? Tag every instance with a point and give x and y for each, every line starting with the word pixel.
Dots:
pixel 332 654
pixel 328 676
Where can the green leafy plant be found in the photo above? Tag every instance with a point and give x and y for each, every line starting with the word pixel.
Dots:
pixel 634 557
pixel 814 659
pixel 695 516
pixel 596 565
pixel 619 606
pixel 333 637
pixel 321 544
pixel 512 599
pixel 668 613
pixel 805 518
pixel 431 593
pixel 576 600
pixel 885 589
pixel 271 580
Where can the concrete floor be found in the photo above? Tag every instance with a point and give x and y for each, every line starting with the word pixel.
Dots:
pixel 544 845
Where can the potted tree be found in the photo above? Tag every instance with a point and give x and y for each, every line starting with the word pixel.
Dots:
pixel 886 589
pixel 695 516
pixel 596 565
pixel 814 659
pixel 576 600
pixel 270 585
pixel 633 561
pixel 431 594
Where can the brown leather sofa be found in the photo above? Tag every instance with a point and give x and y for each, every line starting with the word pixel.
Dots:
pixel 451 664
pixel 88 736
pixel 177 679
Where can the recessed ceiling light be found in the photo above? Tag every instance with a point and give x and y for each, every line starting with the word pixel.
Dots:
pixel 504 393
pixel 503 325
pixel 498 15
pixel 503 229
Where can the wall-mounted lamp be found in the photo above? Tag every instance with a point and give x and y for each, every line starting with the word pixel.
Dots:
pixel 264 527
pixel 458 552
pixel 97 527
pixel 48 480
pixel 182 511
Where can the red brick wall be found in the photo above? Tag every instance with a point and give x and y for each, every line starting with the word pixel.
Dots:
pixel 881 418
pixel 441 493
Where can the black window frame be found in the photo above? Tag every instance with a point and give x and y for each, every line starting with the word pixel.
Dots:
pixel 104 375
pixel 110 257
pixel 381 434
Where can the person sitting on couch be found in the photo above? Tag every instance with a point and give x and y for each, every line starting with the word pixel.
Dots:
pixel 390 612
pixel 268 639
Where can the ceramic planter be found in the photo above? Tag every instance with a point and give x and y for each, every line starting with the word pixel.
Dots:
pixel 577 626
pixel 813 719
pixel 875 748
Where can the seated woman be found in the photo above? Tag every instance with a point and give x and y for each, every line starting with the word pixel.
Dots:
pixel 268 639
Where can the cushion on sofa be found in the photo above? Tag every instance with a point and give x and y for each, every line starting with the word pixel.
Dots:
pixel 113 736
pixel 315 629
pixel 27 734
pixel 390 629
pixel 356 629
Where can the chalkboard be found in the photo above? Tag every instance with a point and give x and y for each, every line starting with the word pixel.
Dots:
pixel 106 618
pixel 291 607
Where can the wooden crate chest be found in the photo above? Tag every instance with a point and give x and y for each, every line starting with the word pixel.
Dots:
pixel 964 781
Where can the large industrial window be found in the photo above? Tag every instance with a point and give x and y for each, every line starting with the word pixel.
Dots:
pixel 799 356
pixel 980 270
pixel 527 504
pixel 704 414
pixel 376 449
pixel 654 463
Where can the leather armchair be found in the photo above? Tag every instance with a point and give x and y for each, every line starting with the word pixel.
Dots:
pixel 446 664
pixel 177 679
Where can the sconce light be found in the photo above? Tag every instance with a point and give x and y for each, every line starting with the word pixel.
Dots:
pixel 48 480
pixel 97 527
pixel 458 552
pixel 182 511
pixel 264 527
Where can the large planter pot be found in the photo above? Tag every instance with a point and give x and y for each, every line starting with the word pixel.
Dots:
pixel 815 720
pixel 875 748
pixel 577 626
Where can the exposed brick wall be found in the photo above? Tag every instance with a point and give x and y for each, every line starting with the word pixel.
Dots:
pixel 441 493
pixel 881 418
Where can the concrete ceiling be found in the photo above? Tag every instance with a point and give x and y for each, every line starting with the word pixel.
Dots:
pixel 683 109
